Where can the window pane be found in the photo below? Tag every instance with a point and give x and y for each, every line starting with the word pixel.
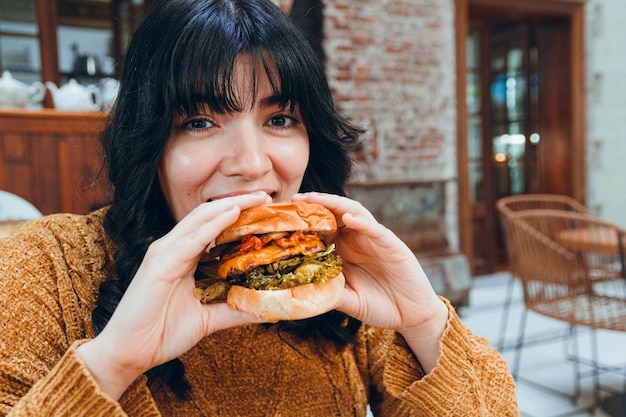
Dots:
pixel 19 44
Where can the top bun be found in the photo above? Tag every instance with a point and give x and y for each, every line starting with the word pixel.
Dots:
pixel 279 217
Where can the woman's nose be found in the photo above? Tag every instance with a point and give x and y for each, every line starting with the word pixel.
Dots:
pixel 248 155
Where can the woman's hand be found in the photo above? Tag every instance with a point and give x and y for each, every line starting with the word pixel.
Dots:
pixel 159 318
pixel 385 284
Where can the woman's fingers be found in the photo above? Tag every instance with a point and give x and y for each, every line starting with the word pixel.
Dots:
pixel 221 316
pixel 159 314
pixel 344 208
pixel 198 230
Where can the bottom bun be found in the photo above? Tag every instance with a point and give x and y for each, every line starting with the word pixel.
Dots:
pixel 295 303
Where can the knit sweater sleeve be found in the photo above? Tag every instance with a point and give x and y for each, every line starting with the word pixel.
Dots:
pixel 49 272
pixel 67 390
pixel 470 379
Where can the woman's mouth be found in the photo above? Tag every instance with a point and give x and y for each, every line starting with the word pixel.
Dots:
pixel 271 193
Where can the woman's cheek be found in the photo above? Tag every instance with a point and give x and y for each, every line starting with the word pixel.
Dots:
pixel 181 175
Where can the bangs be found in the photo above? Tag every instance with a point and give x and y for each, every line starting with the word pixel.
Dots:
pixel 205 76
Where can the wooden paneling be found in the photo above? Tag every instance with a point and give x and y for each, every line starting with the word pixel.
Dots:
pixel 528 9
pixel 53 159
pixel 464 204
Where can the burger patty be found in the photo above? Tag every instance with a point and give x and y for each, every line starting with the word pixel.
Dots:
pixel 290 272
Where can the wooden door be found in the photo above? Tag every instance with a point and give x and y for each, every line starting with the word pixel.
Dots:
pixel 523 130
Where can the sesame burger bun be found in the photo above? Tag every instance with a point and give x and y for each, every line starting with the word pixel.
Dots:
pixel 304 299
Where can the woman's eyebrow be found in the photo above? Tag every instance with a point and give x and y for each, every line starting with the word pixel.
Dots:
pixel 272 100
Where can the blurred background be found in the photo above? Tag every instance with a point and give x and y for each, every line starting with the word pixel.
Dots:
pixel 464 101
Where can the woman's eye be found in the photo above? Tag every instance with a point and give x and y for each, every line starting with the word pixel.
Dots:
pixel 283 121
pixel 195 125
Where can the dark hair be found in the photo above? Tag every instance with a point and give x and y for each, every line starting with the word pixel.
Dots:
pixel 183 54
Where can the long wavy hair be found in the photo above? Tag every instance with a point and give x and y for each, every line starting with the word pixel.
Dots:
pixel 184 54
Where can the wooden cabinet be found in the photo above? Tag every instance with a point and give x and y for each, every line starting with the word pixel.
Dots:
pixel 53 159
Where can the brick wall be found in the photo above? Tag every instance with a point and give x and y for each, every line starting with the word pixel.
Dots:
pixel 391 67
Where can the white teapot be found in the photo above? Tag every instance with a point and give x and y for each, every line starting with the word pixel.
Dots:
pixel 109 88
pixel 74 96
pixel 14 93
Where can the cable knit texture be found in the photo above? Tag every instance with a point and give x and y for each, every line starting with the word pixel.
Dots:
pixel 50 270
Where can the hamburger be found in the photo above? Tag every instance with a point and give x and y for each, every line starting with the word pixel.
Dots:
pixel 273 263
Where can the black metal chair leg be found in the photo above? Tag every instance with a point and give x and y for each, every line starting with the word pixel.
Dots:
pixel 504 320
pixel 518 346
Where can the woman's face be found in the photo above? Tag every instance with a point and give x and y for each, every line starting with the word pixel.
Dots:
pixel 215 155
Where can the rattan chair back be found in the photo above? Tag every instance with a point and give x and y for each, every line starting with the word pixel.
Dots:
pixel 507 206
pixel 582 284
pixel 510 204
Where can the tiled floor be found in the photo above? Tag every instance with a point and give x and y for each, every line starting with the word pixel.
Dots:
pixel 543 362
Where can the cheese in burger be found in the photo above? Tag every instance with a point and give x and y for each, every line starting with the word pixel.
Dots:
pixel 274 264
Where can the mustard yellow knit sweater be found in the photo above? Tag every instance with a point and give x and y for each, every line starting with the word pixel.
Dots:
pixel 50 271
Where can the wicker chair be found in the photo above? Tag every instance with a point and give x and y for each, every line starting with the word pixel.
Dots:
pixel 520 202
pixel 571 266
pixel 507 206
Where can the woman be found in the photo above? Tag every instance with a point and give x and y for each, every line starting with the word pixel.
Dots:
pixel 223 107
